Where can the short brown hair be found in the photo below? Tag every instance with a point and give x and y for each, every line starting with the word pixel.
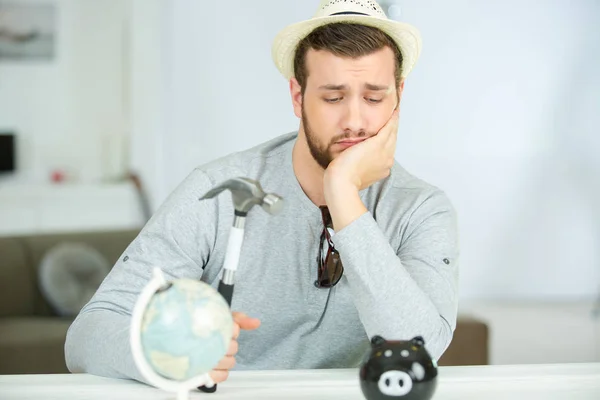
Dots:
pixel 344 40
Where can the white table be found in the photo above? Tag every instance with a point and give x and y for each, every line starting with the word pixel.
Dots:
pixel 527 382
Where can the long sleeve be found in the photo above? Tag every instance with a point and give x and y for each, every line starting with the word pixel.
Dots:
pixel 409 291
pixel 178 239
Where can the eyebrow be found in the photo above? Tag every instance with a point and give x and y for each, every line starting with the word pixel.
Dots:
pixel 368 86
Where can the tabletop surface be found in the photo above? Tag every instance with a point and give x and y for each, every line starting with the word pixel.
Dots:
pixel 548 382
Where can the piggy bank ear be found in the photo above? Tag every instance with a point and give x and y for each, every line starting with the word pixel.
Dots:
pixel 418 340
pixel 377 340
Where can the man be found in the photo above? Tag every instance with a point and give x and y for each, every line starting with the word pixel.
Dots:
pixel 362 247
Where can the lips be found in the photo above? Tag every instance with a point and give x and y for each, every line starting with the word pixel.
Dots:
pixel 349 142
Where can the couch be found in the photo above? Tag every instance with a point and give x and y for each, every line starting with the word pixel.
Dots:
pixel 32 336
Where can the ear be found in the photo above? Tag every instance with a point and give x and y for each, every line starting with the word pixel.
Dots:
pixel 377 340
pixel 418 340
pixel 296 94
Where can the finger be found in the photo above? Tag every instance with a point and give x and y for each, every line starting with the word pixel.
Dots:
pixel 236 331
pixel 395 114
pixel 227 363
pixel 395 118
pixel 245 322
pixel 249 324
pixel 233 348
pixel 390 142
pixel 390 127
pixel 393 125
pixel 392 137
pixel 219 376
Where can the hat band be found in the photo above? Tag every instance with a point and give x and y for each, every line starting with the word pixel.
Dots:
pixel 348 13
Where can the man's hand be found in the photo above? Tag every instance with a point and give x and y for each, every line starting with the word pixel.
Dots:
pixel 240 321
pixel 356 169
pixel 367 162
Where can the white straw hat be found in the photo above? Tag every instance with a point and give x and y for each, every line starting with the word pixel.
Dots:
pixel 364 12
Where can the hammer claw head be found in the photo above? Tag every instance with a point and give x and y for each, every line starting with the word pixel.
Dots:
pixel 247 193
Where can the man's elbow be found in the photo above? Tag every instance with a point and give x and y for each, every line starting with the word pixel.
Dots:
pixel 440 340
pixel 73 350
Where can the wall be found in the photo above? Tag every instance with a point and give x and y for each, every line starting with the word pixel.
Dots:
pixel 499 113
pixel 148 85
pixel 71 112
pixel 223 92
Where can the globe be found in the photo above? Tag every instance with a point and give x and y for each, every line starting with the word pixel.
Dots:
pixel 180 331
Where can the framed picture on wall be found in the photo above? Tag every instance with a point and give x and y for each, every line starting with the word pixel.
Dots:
pixel 27 30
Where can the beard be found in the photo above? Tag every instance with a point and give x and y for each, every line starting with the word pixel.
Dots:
pixel 322 154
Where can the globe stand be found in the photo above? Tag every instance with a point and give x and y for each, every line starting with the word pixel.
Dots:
pixel 182 388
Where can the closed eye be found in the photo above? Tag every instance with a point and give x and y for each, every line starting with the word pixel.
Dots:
pixel 338 99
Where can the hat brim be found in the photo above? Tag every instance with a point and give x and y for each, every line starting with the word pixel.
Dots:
pixel 406 37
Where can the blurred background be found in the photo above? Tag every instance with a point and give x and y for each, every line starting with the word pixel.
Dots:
pixel 106 105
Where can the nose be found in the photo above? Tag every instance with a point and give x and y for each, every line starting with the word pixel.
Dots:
pixel 395 383
pixel 354 121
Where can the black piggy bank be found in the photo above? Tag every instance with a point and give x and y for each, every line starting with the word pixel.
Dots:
pixel 401 369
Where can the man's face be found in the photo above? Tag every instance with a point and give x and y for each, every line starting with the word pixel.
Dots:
pixel 346 100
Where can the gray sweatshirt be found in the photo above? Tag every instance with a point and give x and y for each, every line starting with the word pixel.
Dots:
pixel 400 270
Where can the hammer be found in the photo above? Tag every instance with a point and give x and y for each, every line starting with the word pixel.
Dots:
pixel 246 193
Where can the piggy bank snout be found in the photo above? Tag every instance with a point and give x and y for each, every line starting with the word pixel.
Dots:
pixel 395 383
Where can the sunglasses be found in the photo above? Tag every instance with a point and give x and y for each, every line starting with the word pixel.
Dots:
pixel 330 266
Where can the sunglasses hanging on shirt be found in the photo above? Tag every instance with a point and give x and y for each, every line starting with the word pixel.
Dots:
pixel 330 269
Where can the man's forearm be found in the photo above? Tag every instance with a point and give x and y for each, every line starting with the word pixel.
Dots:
pixel 389 301
pixel 98 343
